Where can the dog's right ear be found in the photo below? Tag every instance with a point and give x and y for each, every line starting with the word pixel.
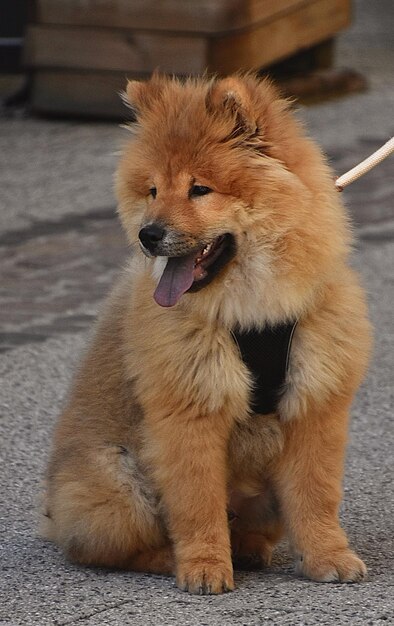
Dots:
pixel 231 96
pixel 140 96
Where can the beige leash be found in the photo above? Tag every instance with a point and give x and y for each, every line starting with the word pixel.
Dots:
pixel 366 165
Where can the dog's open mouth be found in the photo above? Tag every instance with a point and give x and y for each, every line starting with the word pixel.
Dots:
pixel 193 271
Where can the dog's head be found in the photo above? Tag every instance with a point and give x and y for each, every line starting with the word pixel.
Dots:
pixel 221 190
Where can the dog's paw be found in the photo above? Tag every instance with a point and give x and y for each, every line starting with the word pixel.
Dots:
pixel 205 577
pixel 343 567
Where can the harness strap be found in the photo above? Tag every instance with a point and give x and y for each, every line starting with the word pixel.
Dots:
pixel 266 353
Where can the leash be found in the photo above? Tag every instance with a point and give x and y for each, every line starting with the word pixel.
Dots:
pixel 365 166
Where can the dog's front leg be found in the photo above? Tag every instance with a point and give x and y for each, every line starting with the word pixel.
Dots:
pixel 189 457
pixel 309 477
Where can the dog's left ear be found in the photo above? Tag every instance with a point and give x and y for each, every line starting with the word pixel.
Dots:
pixel 231 96
pixel 141 96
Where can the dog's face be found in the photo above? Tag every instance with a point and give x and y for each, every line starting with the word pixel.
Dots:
pixel 213 187
pixel 187 226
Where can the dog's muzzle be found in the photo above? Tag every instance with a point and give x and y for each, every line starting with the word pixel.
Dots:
pixel 150 237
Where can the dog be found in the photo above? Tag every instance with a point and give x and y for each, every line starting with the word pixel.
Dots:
pixel 161 462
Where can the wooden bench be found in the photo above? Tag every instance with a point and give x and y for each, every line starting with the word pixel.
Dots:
pixel 81 51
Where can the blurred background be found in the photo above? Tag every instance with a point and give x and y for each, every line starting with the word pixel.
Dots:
pixel 77 53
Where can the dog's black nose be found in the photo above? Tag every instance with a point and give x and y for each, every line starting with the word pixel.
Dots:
pixel 150 236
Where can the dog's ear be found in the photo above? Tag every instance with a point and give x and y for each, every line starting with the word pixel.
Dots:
pixel 133 97
pixel 140 96
pixel 231 97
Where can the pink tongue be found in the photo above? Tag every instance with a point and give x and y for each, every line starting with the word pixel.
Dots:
pixel 175 280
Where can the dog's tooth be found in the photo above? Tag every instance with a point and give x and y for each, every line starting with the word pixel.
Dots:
pixel 204 252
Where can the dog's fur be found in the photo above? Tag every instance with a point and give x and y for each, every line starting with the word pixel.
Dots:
pixel 157 443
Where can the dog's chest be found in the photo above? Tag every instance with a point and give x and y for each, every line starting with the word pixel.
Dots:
pixel 240 371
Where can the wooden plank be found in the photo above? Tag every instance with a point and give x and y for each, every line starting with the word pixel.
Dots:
pixel 108 55
pixel 96 94
pixel 114 49
pixel 78 93
pixel 309 24
pixel 197 16
pixel 140 51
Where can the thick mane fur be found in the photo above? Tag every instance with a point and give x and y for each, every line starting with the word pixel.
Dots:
pixel 240 136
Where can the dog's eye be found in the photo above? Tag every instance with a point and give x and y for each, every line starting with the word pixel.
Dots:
pixel 153 192
pixel 199 190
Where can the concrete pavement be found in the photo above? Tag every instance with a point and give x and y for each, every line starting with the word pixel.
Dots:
pixel 60 248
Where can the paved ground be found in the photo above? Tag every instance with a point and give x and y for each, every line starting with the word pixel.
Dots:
pixel 60 248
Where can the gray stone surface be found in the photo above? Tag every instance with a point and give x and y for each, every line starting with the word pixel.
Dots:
pixel 52 168
pixel 60 248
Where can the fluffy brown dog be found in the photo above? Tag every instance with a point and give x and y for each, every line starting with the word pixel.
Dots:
pixel 240 227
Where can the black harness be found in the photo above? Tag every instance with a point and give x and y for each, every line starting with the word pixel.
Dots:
pixel 266 352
